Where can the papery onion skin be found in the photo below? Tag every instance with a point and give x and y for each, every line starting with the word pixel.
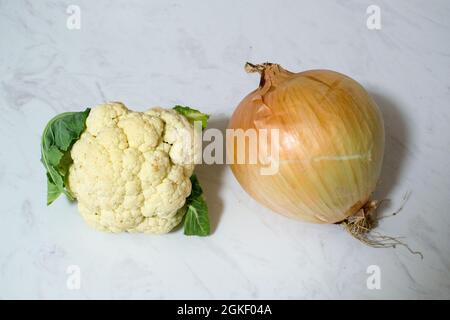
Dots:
pixel 331 143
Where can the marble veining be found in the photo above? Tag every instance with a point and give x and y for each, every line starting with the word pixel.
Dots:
pixel 192 52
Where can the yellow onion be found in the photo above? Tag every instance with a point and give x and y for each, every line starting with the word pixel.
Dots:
pixel 331 143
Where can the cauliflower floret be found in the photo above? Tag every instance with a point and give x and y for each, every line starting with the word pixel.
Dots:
pixel 131 170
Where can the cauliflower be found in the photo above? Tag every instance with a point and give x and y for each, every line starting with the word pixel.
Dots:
pixel 131 170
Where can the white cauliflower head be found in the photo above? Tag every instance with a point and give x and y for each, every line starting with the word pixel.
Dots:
pixel 131 170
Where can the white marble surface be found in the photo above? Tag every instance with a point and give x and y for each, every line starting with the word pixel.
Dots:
pixel 147 53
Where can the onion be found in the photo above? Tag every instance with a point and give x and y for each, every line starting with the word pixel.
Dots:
pixel 331 143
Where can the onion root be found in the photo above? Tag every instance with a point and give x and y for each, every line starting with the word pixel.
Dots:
pixel 361 225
